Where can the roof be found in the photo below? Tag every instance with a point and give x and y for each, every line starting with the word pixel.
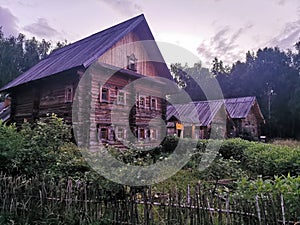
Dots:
pixel 204 111
pixel 239 108
pixel 195 112
pixel 86 51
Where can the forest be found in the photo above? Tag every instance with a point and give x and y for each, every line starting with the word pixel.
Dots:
pixel 270 74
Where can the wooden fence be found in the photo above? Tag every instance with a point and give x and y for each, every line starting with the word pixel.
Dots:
pixel 77 202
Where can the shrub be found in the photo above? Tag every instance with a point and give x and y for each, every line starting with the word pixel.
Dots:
pixel 10 143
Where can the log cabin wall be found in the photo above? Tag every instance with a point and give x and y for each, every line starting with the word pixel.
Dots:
pixel 250 125
pixel 121 107
pixel 44 97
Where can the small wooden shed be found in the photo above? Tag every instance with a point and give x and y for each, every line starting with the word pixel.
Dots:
pixel 242 117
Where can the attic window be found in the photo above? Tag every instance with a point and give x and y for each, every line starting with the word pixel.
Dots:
pixel 68 93
pixel 131 62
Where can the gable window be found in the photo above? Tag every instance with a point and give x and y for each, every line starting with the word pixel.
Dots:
pixel 69 94
pixel 131 62
pixel 142 101
pixel 121 98
pixel 104 94
pixel 153 103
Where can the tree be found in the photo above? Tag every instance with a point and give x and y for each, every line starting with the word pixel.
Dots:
pixel 18 54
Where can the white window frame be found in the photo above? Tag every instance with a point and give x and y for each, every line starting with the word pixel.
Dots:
pixel 69 93
pixel 125 96
pixel 153 131
pixel 144 105
pixel 123 133
pixel 101 97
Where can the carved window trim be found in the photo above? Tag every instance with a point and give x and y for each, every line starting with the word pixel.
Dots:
pixel 121 133
pixel 132 62
pixel 121 100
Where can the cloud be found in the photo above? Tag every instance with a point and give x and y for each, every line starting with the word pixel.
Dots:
pixel 281 2
pixel 41 29
pixel 8 22
pixel 289 35
pixel 125 7
pixel 223 44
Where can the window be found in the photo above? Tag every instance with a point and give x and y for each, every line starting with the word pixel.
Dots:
pixel 120 133
pixel 69 94
pixel 131 62
pixel 153 103
pixel 153 134
pixel 103 134
pixel 142 101
pixel 142 133
pixel 104 94
pixel 121 98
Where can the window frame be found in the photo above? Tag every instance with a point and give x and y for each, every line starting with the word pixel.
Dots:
pixel 153 131
pixel 100 133
pixel 101 94
pixel 132 62
pixel 69 93
pixel 155 99
pixel 123 132
pixel 141 137
pixel 144 101
pixel 124 100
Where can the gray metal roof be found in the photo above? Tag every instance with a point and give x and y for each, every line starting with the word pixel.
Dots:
pixel 203 112
pixel 239 108
pixel 84 52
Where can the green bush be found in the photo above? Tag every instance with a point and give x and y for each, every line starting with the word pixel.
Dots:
pixel 10 143
pixel 270 160
pixel 287 187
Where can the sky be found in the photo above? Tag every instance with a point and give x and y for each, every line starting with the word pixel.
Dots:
pixel 226 29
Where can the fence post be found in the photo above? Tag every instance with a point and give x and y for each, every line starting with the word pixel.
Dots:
pixel 258 209
pixel 282 209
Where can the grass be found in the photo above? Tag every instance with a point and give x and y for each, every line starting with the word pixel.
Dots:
pixel 286 142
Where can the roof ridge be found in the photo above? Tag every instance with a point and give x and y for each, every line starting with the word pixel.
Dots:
pixel 92 36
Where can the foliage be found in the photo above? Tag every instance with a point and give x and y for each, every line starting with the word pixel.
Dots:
pixel 18 54
pixel 267 68
pixel 39 149
pixel 287 187
pixel 10 142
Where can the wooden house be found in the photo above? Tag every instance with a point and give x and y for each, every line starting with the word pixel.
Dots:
pixel 195 119
pixel 242 118
pixel 246 115
pixel 117 57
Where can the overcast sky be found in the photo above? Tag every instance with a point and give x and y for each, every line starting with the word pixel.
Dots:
pixel 208 28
